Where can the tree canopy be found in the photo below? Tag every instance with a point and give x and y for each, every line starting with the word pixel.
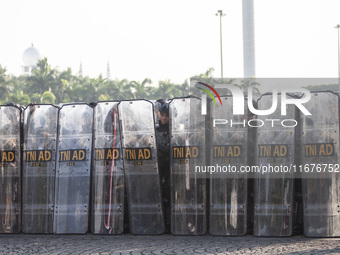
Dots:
pixel 47 85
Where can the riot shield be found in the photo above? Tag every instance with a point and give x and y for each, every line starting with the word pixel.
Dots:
pixel 140 166
pixel 72 186
pixel 40 135
pixel 228 195
pixel 273 194
pixel 187 150
pixel 107 174
pixel 10 169
pixel 320 148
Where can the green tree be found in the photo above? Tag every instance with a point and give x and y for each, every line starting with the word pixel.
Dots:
pixel 15 91
pixel 4 84
pixel 19 97
pixel 207 74
pixel 122 90
pixel 184 87
pixel 105 91
pixel 140 89
pixel 62 88
pixel 48 98
pixel 167 89
pixel 249 83
pixel 207 77
pixel 42 79
pixel 115 90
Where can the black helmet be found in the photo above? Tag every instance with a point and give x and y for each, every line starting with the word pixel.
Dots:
pixel 12 104
pixel 161 101
pixel 164 108
pixel 93 104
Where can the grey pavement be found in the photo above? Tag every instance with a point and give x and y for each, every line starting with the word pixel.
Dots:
pixel 164 244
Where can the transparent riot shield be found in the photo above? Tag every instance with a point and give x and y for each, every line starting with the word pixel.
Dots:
pixel 187 150
pixel 228 150
pixel 273 194
pixel 40 135
pixel 107 174
pixel 320 166
pixel 140 166
pixel 72 186
pixel 10 169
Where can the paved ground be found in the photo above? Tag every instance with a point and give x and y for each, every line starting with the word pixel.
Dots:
pixel 164 244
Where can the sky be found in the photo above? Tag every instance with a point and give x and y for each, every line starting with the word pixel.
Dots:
pixel 174 40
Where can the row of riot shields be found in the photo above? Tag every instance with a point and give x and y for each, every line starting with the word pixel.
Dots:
pixel 310 148
pixel 286 147
pixel 58 160
pixel 59 196
pixel 82 165
pixel 57 163
pixel 298 152
pixel 57 155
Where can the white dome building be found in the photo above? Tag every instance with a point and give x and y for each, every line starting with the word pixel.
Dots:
pixel 30 57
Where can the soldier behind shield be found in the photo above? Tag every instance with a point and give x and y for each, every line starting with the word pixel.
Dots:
pixel 163 151
pixel 157 105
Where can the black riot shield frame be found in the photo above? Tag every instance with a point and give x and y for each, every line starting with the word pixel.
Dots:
pixel 187 150
pixel 273 194
pixel 228 148
pixel 320 148
pixel 74 154
pixel 107 173
pixel 140 167
pixel 10 169
pixel 40 135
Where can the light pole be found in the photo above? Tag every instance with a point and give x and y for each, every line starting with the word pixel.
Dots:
pixel 338 26
pixel 220 12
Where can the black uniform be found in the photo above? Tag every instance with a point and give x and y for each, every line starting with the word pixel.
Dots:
pixel 163 141
pixel 163 150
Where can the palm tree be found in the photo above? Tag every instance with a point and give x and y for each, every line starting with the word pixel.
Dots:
pixel 105 90
pixel 19 97
pixel 10 87
pixel 122 90
pixel 42 79
pixel 48 98
pixel 140 89
pixel 249 83
pixel 63 80
pixel 167 89
pixel 90 88
pixel 184 87
pixel 205 77
pixel 207 74
pixel 3 84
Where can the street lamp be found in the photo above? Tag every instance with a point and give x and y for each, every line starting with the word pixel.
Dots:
pixel 338 26
pixel 220 12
